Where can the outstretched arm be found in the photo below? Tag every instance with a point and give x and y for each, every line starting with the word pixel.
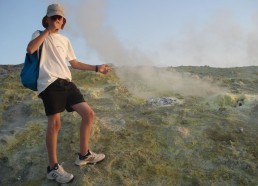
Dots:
pixel 104 69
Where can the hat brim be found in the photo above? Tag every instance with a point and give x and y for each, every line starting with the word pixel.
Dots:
pixel 55 13
pixel 45 24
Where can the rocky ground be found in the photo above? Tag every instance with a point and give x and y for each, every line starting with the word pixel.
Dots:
pixel 169 137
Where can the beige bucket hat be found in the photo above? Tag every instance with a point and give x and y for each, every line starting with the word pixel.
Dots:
pixel 55 9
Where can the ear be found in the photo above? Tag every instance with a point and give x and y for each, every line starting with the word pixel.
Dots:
pixel 48 20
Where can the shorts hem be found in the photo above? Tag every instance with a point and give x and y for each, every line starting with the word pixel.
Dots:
pixel 55 112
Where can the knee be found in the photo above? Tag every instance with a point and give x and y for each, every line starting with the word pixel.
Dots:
pixel 89 115
pixel 54 125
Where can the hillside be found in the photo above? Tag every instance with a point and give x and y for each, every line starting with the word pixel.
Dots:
pixel 171 134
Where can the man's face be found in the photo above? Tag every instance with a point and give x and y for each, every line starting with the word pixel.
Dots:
pixel 55 22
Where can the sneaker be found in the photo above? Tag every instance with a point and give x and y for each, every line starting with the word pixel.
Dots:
pixel 59 174
pixel 89 158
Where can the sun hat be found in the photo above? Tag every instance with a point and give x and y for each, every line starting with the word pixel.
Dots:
pixel 53 9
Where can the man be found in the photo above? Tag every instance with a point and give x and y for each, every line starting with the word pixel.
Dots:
pixel 59 93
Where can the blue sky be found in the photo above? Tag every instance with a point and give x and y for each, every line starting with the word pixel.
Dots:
pixel 221 33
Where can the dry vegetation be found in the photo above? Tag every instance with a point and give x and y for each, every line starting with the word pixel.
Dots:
pixel 208 140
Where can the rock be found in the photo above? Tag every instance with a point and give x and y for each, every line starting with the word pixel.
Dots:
pixel 4 160
pixel 239 103
pixel 183 131
pixel 19 178
pixel 240 130
pixel 162 101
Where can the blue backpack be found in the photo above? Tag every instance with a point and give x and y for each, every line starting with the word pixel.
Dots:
pixel 30 71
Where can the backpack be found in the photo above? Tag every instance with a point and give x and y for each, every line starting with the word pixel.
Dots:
pixel 30 71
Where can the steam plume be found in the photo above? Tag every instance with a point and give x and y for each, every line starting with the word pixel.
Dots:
pixel 90 17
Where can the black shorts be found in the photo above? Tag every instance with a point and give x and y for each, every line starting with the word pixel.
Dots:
pixel 60 95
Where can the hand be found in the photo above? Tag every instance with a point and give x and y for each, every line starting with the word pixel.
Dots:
pixel 104 69
pixel 54 26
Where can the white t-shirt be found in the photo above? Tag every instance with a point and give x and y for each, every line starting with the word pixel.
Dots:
pixel 56 51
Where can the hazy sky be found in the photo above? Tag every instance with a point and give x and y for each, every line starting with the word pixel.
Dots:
pixel 219 33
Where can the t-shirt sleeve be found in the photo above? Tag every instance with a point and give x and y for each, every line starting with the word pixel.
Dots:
pixel 70 52
pixel 35 34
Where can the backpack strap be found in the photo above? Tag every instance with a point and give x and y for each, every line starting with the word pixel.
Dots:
pixel 40 47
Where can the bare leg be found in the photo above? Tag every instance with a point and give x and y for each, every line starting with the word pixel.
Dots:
pixel 87 114
pixel 54 124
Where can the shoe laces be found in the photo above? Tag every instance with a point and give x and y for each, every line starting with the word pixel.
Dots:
pixel 62 171
pixel 93 154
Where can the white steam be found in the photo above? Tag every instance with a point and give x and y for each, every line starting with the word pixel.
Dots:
pixel 221 42
pixel 90 19
pixel 147 81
